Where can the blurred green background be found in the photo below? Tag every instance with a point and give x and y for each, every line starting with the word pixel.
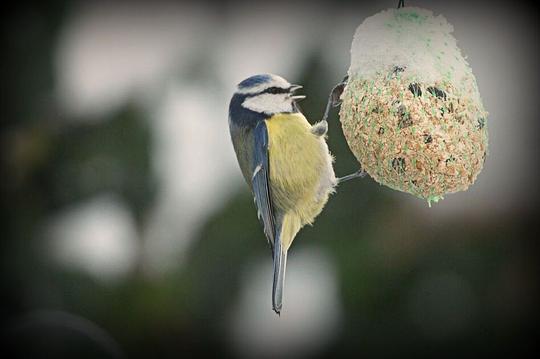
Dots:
pixel 127 230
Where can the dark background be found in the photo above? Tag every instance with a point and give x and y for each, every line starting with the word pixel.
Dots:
pixel 127 230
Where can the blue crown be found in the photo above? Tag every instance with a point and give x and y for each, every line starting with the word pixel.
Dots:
pixel 254 81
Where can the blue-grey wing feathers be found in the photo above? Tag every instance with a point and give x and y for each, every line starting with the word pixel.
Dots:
pixel 260 181
pixel 265 210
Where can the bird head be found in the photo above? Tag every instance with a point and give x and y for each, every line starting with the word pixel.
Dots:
pixel 268 94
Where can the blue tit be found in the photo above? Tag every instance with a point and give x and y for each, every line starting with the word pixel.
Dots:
pixel 284 160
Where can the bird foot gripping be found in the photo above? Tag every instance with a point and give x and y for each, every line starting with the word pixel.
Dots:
pixel 358 174
pixel 334 100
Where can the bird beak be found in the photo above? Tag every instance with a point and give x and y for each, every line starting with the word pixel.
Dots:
pixel 295 87
pixel 296 97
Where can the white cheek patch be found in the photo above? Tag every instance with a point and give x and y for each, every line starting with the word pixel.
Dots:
pixel 268 103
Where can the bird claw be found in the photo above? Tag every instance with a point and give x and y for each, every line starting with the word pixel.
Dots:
pixel 334 99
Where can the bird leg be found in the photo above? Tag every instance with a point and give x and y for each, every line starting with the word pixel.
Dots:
pixel 334 99
pixel 358 174
pixel 320 128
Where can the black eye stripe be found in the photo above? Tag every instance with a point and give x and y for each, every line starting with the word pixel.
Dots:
pixel 275 90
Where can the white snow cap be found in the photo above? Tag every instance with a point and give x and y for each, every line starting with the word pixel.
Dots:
pixel 413 39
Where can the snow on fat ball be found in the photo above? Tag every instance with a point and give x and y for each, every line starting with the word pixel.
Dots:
pixel 411 112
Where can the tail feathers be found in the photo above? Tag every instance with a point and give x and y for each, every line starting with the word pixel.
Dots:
pixel 280 264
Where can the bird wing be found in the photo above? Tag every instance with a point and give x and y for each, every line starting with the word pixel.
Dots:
pixel 261 181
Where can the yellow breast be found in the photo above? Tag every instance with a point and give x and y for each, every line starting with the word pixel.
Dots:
pixel 301 175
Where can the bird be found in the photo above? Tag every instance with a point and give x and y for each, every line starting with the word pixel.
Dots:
pixel 284 160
